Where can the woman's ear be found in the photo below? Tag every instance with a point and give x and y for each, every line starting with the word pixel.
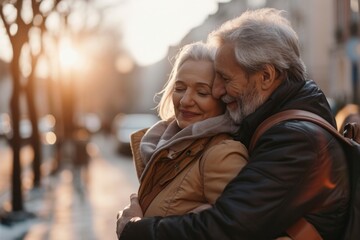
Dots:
pixel 268 77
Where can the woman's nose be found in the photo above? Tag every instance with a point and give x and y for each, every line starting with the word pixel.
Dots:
pixel 186 99
pixel 218 88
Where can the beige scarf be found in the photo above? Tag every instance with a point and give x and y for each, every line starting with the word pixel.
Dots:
pixel 168 135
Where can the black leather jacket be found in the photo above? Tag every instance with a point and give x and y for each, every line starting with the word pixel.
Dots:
pixel 296 169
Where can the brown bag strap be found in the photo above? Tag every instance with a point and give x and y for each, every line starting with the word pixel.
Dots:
pixel 302 229
pixel 293 114
pixel 352 131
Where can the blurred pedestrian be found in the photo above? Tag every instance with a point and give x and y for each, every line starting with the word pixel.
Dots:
pixel 297 169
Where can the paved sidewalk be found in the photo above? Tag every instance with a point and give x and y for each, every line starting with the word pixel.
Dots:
pixel 78 204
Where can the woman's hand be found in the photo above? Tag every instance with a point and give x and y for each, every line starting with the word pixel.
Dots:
pixel 200 208
pixel 132 212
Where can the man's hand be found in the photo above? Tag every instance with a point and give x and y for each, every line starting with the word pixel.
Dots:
pixel 131 213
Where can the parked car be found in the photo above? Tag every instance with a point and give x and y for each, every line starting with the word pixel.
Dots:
pixel 90 121
pixel 126 124
pixel 46 126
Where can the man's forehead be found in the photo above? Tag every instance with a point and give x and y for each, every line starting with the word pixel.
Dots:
pixel 224 51
pixel 224 54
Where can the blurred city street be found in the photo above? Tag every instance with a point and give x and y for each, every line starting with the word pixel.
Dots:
pixel 73 203
pixel 76 75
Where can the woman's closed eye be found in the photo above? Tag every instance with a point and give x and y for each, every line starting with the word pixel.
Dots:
pixel 179 89
pixel 204 93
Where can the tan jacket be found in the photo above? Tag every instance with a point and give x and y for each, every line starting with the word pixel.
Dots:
pixel 176 183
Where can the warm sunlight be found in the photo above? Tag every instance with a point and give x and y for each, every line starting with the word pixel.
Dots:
pixel 6 52
pixel 69 56
pixel 150 27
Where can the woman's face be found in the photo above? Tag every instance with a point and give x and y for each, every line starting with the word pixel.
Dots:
pixel 192 96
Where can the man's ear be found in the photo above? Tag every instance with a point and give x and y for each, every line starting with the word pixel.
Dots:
pixel 268 77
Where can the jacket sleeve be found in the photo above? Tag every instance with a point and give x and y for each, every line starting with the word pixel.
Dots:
pixel 285 178
pixel 219 165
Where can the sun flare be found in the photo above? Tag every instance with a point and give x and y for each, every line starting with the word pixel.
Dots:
pixel 69 56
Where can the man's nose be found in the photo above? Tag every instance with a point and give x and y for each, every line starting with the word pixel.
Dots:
pixel 218 89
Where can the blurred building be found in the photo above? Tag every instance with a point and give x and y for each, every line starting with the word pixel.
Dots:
pixel 113 83
pixel 345 54
pixel 314 21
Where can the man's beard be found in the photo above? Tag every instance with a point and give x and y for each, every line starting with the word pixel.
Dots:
pixel 247 103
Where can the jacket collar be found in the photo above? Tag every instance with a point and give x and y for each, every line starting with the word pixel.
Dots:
pixel 167 134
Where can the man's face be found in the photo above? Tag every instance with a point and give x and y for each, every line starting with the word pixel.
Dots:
pixel 240 91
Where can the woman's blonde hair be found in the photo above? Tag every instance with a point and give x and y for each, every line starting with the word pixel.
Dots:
pixel 197 51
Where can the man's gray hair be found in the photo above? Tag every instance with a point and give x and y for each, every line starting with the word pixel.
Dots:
pixel 263 37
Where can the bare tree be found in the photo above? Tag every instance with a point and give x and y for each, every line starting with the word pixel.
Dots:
pixel 18 29
pixel 18 40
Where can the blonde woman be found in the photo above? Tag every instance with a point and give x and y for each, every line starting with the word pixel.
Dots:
pixel 186 159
